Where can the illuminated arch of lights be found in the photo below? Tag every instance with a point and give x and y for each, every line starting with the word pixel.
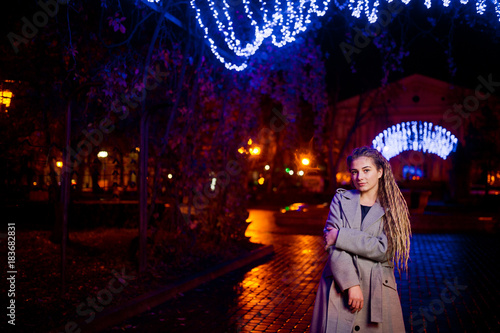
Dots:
pixel 417 136
pixel 245 24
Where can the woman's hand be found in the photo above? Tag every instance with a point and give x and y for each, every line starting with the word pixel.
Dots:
pixel 355 298
pixel 330 237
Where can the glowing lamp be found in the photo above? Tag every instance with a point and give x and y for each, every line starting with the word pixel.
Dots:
pixel 255 151
pixel 102 154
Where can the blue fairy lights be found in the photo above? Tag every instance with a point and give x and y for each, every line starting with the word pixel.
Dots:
pixel 235 29
pixel 245 24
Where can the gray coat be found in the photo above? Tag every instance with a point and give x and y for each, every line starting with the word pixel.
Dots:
pixel 358 258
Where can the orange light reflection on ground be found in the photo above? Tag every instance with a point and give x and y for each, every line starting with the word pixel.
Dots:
pixel 283 283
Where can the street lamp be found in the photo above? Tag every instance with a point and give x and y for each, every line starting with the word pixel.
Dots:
pixel 102 154
pixel 255 151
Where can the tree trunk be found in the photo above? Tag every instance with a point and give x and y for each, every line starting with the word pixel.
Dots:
pixel 65 192
pixel 332 112
pixel 332 170
pixel 358 119
pixel 143 192
pixel 143 161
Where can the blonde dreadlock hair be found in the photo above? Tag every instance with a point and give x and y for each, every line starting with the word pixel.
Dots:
pixel 397 218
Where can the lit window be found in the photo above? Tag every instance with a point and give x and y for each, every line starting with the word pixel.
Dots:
pixel 5 97
pixel 412 173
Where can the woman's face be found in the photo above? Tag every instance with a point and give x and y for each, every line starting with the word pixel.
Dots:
pixel 365 175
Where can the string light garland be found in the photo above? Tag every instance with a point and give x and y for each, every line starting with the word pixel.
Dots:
pixel 417 136
pixel 235 29
pixel 256 21
pixel 370 7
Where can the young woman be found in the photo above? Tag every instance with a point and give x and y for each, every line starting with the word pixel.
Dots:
pixel 366 232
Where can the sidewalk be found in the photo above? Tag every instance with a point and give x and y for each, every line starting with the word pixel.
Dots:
pixel 451 287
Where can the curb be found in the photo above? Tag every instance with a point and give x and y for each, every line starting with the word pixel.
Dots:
pixel 149 300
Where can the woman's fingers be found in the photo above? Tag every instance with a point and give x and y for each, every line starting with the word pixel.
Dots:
pixel 330 236
pixel 325 237
pixel 355 299
pixel 356 306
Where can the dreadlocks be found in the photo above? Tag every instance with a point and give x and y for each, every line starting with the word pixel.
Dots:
pixel 397 218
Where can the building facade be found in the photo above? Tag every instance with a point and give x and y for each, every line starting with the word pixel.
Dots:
pixel 423 125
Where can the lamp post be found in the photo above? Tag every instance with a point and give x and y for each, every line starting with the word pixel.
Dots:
pixel 102 155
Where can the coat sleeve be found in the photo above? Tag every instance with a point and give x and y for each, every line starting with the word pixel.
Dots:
pixel 341 262
pixel 362 244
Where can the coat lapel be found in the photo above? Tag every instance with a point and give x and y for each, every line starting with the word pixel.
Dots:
pixel 352 209
pixel 374 214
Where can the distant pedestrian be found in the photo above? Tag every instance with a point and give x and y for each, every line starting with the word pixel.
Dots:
pixel 366 232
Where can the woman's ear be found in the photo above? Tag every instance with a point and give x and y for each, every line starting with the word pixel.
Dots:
pixel 380 172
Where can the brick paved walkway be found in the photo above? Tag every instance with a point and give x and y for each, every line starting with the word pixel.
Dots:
pixel 452 286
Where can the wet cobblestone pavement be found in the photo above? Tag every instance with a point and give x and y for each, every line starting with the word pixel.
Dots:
pixel 451 286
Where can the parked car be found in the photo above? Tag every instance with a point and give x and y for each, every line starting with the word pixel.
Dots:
pixel 302 214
